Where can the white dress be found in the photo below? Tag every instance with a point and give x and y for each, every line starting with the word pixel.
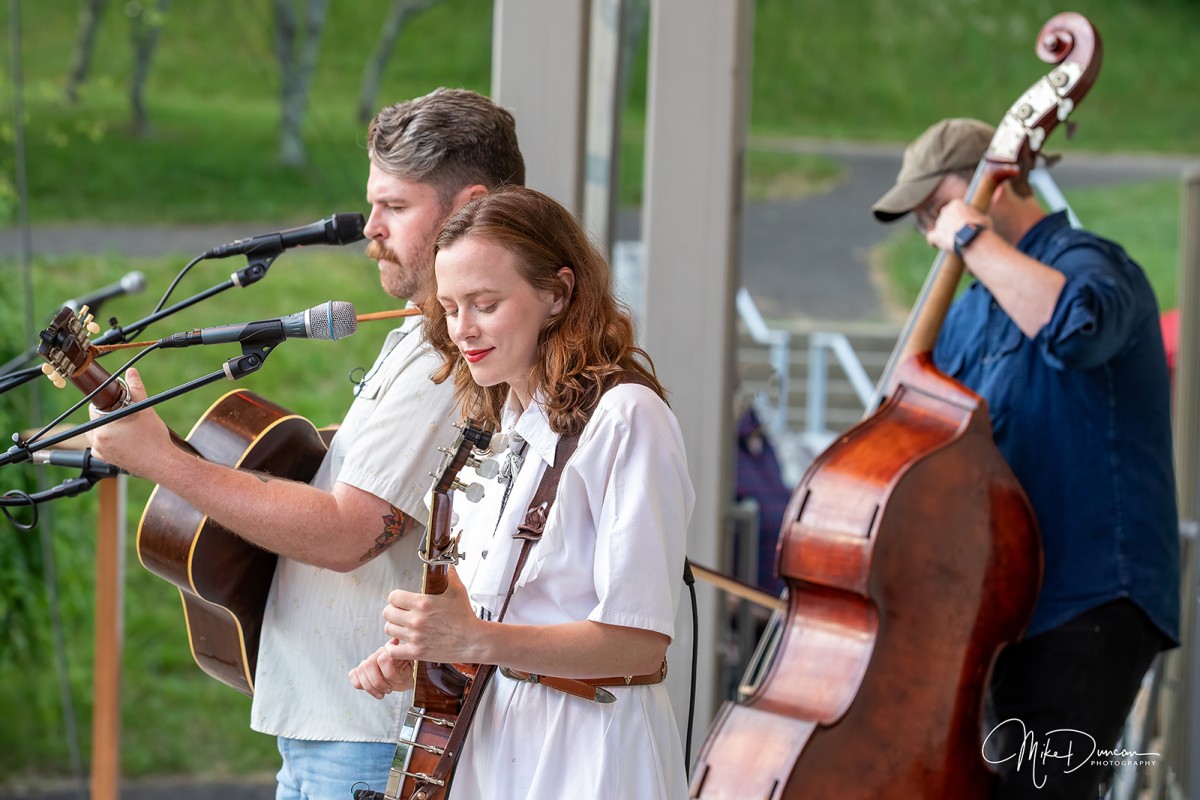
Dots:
pixel 612 552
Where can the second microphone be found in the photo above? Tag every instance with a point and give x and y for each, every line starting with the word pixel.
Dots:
pixel 335 319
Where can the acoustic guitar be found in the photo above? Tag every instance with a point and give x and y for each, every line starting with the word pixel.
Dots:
pixel 222 579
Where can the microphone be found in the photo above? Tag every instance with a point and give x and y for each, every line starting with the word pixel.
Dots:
pixel 335 319
pixel 76 459
pixel 334 229
pixel 131 283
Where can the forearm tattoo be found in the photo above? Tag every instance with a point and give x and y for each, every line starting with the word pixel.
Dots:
pixel 396 526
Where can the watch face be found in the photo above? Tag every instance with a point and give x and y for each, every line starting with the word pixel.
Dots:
pixel 966 234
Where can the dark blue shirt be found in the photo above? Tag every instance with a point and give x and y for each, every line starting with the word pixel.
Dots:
pixel 1081 412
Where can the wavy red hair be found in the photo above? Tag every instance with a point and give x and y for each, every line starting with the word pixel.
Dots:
pixel 590 339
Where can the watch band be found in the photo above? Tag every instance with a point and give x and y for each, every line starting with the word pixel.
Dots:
pixel 965 235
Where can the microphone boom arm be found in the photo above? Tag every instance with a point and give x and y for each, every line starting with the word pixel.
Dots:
pixel 253 356
pixel 254 271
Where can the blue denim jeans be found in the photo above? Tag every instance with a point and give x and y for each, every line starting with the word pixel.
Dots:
pixel 331 770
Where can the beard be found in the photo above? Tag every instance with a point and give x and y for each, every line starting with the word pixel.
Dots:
pixel 400 278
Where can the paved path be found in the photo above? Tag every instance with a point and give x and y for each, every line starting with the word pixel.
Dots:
pixel 802 258
pixel 809 258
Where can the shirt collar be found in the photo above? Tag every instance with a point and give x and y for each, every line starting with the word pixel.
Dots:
pixel 532 425
pixel 1040 233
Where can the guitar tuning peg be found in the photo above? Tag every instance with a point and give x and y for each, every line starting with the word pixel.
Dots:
pixel 473 493
pixel 53 376
pixel 92 327
pixel 487 469
pixel 83 312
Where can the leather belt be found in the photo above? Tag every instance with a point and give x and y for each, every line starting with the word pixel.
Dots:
pixel 588 688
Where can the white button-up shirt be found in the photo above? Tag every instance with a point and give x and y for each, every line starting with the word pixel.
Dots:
pixel 612 552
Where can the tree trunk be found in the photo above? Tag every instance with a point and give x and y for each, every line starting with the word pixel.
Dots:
pixel 144 27
pixel 402 11
pixel 90 13
pixel 296 67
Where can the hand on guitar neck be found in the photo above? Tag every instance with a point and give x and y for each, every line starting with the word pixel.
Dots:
pixel 431 627
pixel 141 443
pixel 1026 289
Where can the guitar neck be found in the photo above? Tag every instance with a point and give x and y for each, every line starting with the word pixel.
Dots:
pixel 114 396
pixel 437 542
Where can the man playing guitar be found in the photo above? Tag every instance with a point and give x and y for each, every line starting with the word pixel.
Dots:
pixel 334 536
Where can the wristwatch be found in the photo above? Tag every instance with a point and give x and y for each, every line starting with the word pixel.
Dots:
pixel 966 234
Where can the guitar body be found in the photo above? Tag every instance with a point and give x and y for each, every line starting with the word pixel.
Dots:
pixel 426 732
pixel 223 579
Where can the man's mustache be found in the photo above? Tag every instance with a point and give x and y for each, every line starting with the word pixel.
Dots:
pixel 378 252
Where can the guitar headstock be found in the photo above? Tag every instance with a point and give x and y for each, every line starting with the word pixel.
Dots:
pixel 471 438
pixel 441 547
pixel 70 356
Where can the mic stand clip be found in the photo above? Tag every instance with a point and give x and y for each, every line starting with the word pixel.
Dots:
pixel 255 269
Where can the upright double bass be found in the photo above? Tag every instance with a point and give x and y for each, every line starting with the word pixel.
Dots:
pixel 910 555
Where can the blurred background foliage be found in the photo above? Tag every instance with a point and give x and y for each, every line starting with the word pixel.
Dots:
pixel 207 150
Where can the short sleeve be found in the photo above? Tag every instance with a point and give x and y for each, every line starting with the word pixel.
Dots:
pixel 641 500
pixel 395 434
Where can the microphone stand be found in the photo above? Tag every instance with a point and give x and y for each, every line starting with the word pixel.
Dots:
pixel 254 271
pixel 251 360
pixel 90 473
pixel 18 361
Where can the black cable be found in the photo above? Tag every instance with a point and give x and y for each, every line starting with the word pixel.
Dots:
pixel 690 580
pixel 68 488
pixel 22 499
pixel 187 268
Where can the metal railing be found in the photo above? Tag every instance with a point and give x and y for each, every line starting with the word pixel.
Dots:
pixel 779 345
pixel 821 344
